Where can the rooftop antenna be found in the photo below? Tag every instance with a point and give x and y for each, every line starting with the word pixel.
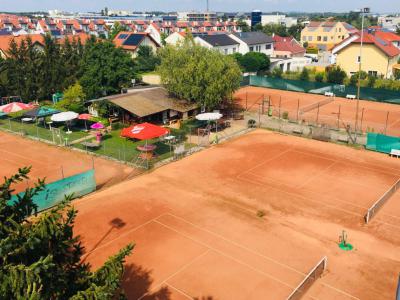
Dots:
pixel 207 6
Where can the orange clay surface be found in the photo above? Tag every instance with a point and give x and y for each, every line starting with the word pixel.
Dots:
pixel 198 235
pixel 373 114
pixel 52 162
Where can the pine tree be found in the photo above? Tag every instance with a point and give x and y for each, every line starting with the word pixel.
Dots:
pixel 40 256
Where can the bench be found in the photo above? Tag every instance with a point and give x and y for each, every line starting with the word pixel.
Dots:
pixel 297 131
pixel 395 152
pixel 350 97
pixel 343 139
pixel 329 94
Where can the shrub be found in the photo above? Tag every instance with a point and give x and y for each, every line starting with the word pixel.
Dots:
pixel 319 77
pixel 312 50
pixel 371 81
pixel 277 72
pixel 260 213
pixel 285 115
pixel 304 75
pixel 251 123
pixel 335 75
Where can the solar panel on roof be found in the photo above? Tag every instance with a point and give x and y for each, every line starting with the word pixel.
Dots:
pixel 380 41
pixel 133 40
pixel 122 36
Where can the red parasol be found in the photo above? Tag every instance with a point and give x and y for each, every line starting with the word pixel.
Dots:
pixel 144 131
pixel 14 107
pixel 84 116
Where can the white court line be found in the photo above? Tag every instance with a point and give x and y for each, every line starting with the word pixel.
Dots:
pixel 123 234
pixel 264 162
pixel 242 247
pixel 191 262
pixel 320 173
pixel 227 256
pixel 178 290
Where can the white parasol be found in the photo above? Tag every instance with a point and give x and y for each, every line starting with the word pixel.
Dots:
pixel 65 117
pixel 209 116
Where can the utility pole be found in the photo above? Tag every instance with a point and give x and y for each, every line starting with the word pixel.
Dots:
pixel 364 11
pixel 207 6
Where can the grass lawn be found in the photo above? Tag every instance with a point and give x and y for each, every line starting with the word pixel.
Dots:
pixel 112 145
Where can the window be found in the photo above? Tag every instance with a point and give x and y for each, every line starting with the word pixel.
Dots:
pixel 310 38
pixel 234 50
pixel 325 38
pixel 318 38
pixel 251 48
pixel 373 73
pixel 304 38
pixel 226 51
pixel 358 59
pixel 268 46
pixel 340 29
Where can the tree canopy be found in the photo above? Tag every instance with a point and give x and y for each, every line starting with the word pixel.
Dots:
pixel 105 69
pixel 253 61
pixel 41 257
pixel 73 99
pixel 146 60
pixel 36 74
pixel 189 71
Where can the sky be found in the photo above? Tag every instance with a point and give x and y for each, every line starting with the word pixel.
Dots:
pixel 215 5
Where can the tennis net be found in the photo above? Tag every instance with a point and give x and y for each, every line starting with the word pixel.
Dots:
pixel 316 105
pixel 381 201
pixel 306 283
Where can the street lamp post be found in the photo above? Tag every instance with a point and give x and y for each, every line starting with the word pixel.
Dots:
pixel 364 11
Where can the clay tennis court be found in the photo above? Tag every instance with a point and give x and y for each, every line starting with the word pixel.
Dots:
pixel 373 116
pixel 54 162
pixel 198 235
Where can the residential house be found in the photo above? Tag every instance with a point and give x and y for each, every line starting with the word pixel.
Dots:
pixel 5 41
pixel 379 56
pixel 389 22
pixel 154 30
pixel 175 38
pixel 278 19
pixel 221 42
pixel 325 35
pixel 254 42
pixel 131 41
pixel 288 54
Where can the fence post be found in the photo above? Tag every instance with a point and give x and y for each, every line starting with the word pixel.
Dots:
pixel 246 100
pixel 362 118
pixel 62 172
pixel 259 115
pixel 280 102
pixel 387 118
pixel 9 123
pixel 338 118
pixel 298 107
pixel 317 113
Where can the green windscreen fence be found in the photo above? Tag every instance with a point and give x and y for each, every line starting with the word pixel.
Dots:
pixel 380 95
pixel 382 143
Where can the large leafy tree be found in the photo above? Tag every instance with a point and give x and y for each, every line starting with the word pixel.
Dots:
pixel 253 61
pixel 41 258
pixel 105 69
pixel 146 60
pixel 197 74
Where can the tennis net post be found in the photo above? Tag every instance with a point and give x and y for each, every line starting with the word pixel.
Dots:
pixel 306 283
pixel 381 201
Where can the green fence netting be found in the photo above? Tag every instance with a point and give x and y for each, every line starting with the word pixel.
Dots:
pixel 380 95
pixel 382 143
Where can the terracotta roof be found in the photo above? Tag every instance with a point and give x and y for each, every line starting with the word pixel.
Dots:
pixel 387 35
pixel 385 46
pixel 121 39
pixel 287 44
pixel 5 40
pixel 83 37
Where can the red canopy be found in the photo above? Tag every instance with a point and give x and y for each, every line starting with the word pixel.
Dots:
pixel 144 131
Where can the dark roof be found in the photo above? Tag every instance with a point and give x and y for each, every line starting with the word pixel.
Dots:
pixel 255 37
pixel 219 40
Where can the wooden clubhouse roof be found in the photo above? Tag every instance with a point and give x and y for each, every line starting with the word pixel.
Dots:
pixel 149 101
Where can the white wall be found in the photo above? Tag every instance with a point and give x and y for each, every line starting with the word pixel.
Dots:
pixel 229 49
pixel 244 48
pixel 292 64
pixel 174 38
